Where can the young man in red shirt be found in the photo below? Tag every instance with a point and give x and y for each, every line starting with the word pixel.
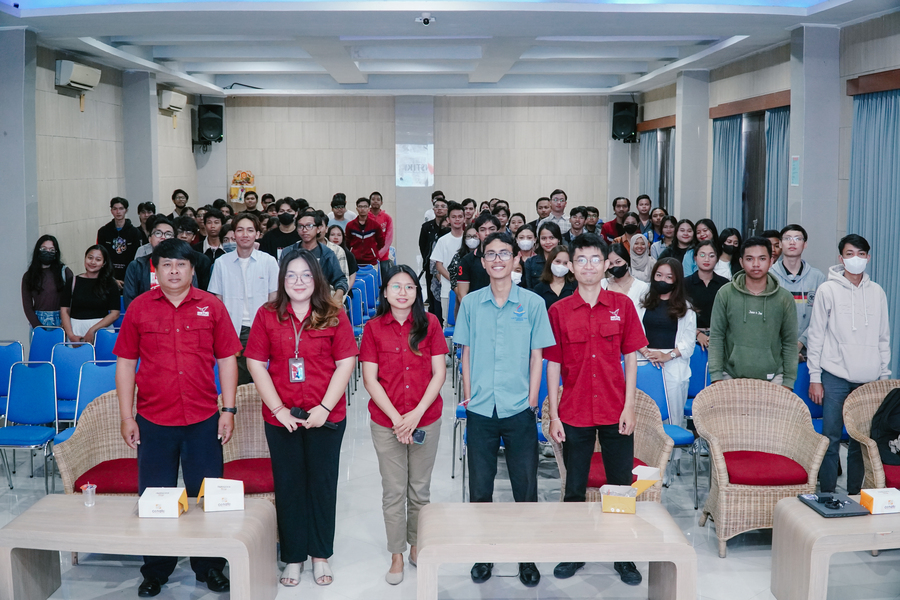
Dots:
pixel 616 227
pixel 364 236
pixel 387 230
pixel 177 331
pixel 592 328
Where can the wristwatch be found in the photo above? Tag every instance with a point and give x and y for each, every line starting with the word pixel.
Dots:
pixel 229 410
pixel 672 354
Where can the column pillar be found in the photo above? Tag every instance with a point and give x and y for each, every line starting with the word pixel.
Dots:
pixel 413 124
pixel 139 111
pixel 815 138
pixel 691 145
pixel 18 147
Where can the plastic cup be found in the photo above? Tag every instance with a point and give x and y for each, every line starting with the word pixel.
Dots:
pixel 89 491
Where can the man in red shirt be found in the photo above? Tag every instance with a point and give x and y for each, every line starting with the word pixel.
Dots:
pixel 592 328
pixel 177 331
pixel 616 227
pixel 364 236
pixel 387 229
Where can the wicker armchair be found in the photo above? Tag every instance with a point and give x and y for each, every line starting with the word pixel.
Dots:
pixel 651 445
pixel 97 439
pixel 859 408
pixel 249 439
pixel 754 415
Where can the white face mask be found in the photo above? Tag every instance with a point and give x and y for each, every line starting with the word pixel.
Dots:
pixel 516 277
pixel 855 264
pixel 526 245
pixel 472 243
pixel 559 270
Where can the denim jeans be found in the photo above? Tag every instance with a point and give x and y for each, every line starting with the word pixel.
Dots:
pixel 836 391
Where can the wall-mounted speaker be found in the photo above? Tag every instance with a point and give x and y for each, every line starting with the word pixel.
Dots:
pixel 624 122
pixel 210 122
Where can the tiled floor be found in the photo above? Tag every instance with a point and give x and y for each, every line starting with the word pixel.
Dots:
pixel 360 558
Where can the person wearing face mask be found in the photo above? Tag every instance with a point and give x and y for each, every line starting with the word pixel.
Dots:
pixel 229 243
pixel 276 240
pixel 444 251
pixel 671 326
pixel 848 344
pixel 630 226
pixel 470 242
pixel 702 287
pixel 641 263
pixel 729 261
pixel 557 281
pixel 620 279
pixel 43 283
pixel 549 237
pixel 525 240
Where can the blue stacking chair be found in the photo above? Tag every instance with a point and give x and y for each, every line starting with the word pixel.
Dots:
pixel 358 315
pixel 67 359
pixel 104 342
pixel 97 378
pixel 651 381
pixel 30 406
pixel 42 341
pixel 699 379
pixel 368 282
pixel 801 389
pixel 374 271
pixel 10 353
pixel 118 322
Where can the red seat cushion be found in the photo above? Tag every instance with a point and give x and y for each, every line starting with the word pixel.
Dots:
pixel 892 475
pixel 118 476
pixel 256 473
pixel 597 476
pixel 747 467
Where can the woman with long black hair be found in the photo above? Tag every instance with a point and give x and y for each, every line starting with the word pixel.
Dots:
pixel 306 339
pixel 43 283
pixel 403 363
pixel 91 302
pixel 549 237
pixel 684 241
pixel 729 256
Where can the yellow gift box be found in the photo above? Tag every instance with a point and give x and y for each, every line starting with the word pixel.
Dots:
pixel 623 498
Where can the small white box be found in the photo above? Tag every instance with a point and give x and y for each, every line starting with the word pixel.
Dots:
pixel 162 503
pixel 221 494
pixel 881 501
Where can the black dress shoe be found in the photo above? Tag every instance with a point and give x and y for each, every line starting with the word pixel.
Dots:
pixel 481 572
pixel 629 573
pixel 151 586
pixel 215 580
pixel 566 569
pixel 529 574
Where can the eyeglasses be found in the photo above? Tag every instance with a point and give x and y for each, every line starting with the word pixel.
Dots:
pixel 168 235
pixel 793 238
pixel 582 261
pixel 396 287
pixel 503 255
pixel 291 278
pixel 306 226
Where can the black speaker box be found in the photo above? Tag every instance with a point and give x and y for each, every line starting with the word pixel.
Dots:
pixel 210 122
pixel 624 121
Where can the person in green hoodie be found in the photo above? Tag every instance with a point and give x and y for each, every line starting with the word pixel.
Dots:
pixel 753 330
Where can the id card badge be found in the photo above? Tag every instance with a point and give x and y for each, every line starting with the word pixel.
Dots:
pixel 297 370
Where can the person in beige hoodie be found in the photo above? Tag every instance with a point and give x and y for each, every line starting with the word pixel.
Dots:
pixel 848 344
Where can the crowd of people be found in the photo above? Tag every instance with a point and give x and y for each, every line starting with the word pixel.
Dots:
pixel 261 294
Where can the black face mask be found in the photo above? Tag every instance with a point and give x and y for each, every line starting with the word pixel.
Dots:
pixel 630 229
pixel 46 256
pixel 729 249
pixel 662 287
pixel 618 272
pixel 285 218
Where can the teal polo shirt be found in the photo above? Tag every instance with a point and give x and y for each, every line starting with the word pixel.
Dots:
pixel 500 341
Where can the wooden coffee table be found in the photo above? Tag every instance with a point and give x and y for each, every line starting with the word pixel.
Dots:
pixel 803 542
pixel 30 544
pixel 556 532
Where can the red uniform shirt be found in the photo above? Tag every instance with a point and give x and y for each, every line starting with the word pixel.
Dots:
pixel 387 229
pixel 177 348
pixel 611 230
pixel 403 375
pixel 589 346
pixel 273 341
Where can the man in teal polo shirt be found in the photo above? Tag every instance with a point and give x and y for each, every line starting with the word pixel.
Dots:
pixel 503 330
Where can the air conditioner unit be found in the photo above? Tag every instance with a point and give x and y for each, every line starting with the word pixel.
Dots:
pixel 74 75
pixel 173 101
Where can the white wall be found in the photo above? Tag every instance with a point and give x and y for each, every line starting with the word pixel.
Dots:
pixel 756 75
pixel 659 102
pixel 177 169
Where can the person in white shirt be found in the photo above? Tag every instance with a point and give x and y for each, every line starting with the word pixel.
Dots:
pixel 244 280
pixel 558 201
pixel 447 246
pixel 339 214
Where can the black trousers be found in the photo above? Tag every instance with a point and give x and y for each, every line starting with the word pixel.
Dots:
pixel 434 303
pixel 519 433
pixel 199 451
pixel 305 469
pixel 617 452
pixel 243 373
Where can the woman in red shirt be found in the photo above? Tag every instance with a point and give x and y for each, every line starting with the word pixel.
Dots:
pixel 308 342
pixel 403 363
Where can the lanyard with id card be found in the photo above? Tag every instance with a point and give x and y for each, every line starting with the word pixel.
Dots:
pixel 296 367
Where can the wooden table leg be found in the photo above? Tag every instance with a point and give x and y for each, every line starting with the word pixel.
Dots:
pixel 28 574
pixel 426 580
pixel 673 581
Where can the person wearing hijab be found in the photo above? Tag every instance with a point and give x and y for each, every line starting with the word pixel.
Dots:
pixel 641 262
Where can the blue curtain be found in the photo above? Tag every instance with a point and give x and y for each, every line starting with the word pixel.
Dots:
pixel 874 202
pixel 649 166
pixel 778 166
pixel 727 173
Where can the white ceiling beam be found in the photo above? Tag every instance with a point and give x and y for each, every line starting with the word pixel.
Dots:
pixel 263 67
pixel 498 59
pixel 334 56
pixel 211 52
pixel 600 52
pixel 164 39
pixel 417 52
pixel 581 66
pixel 416 66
